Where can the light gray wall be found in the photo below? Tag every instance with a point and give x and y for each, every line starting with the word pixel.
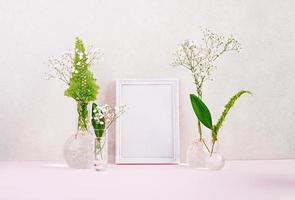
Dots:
pixel 137 38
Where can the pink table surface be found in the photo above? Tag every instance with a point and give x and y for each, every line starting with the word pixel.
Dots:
pixel 239 180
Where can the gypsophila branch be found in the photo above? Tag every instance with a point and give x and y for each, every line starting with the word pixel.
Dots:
pixel 62 67
pixel 200 59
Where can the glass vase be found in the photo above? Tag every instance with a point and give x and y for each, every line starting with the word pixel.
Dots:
pixel 214 160
pixel 101 151
pixel 196 154
pixel 78 150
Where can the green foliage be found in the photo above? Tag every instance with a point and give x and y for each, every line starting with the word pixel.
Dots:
pixel 204 116
pixel 98 123
pixel 82 115
pixel 82 84
pixel 227 107
pixel 201 111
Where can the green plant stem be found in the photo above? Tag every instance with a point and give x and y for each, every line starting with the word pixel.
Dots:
pixel 199 123
pixel 82 116
pixel 200 130
pixel 199 91
pixel 206 145
pixel 214 139
pixel 99 146
pixel 212 148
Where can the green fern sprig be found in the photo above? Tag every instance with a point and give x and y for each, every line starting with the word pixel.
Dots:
pixel 82 84
pixel 227 107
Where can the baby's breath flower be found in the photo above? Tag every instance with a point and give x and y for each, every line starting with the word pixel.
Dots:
pixel 107 114
pixel 200 59
pixel 63 66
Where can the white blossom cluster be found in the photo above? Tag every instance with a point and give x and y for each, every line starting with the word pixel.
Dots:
pixel 200 59
pixel 62 67
pixel 108 114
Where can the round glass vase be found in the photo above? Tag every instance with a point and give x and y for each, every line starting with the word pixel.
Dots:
pixel 214 160
pixel 101 149
pixel 196 154
pixel 78 150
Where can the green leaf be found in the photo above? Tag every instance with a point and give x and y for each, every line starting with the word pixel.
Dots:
pixel 201 111
pixel 98 125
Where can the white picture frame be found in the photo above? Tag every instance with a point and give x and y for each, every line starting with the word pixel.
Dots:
pixel 148 132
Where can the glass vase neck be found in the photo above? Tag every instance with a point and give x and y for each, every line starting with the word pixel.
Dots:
pixel 83 117
pixel 215 147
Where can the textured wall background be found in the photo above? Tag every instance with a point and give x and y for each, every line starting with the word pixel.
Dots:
pixel 138 38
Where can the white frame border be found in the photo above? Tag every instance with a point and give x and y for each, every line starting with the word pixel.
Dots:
pixel 175 98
